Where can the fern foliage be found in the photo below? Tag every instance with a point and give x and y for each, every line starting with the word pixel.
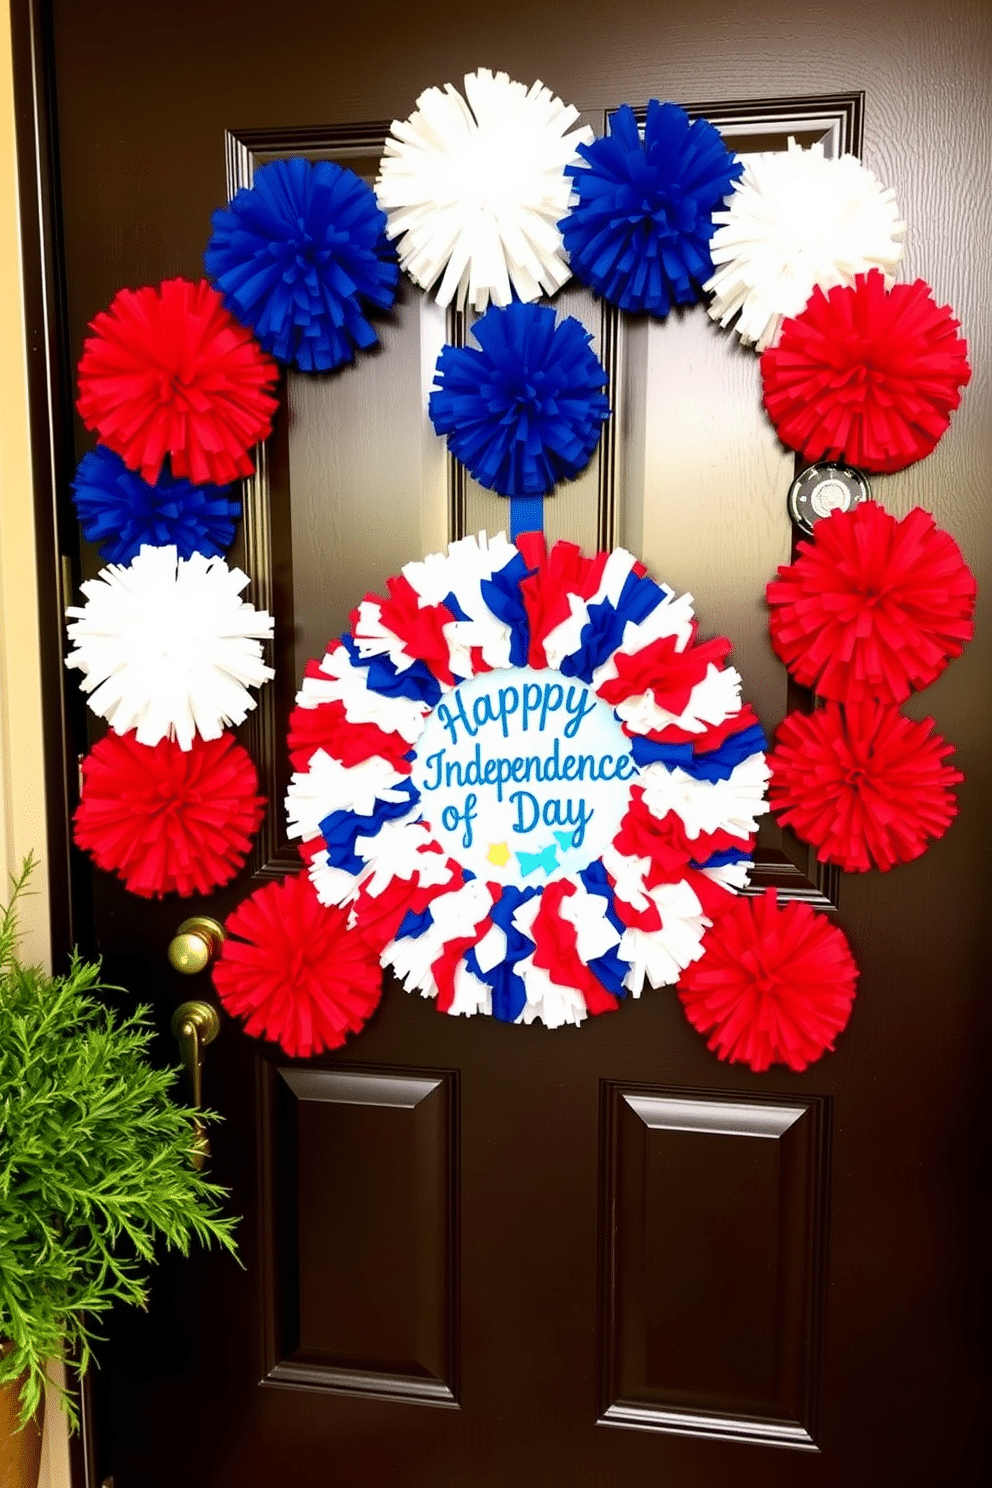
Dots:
pixel 95 1163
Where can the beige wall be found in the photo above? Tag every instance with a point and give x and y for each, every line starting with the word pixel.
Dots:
pixel 22 798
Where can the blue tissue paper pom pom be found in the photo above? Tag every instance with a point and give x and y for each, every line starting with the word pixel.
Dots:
pixel 527 409
pixel 640 232
pixel 301 258
pixel 123 513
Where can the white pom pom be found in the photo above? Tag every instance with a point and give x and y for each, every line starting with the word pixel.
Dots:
pixel 796 221
pixel 474 189
pixel 167 647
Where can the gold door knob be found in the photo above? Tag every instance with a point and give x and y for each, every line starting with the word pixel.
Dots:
pixel 195 945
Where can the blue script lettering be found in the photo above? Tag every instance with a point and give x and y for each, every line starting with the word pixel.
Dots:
pixel 555 813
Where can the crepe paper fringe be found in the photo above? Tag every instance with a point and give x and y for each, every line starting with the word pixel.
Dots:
pixel 797 221
pixel 167 820
pixel 866 375
pixel 589 939
pixel 526 409
pixel 166 646
pixel 639 231
pixel 293 972
pixel 302 259
pixel 121 512
pixel 866 787
pixel 474 186
pixel 873 607
pixel 167 372
pixel 774 985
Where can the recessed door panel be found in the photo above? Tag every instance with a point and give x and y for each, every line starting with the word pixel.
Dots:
pixel 360 1203
pixel 715 1263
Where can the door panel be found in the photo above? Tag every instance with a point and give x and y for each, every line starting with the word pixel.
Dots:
pixel 360 1200
pixel 476 1254
pixel 714 1264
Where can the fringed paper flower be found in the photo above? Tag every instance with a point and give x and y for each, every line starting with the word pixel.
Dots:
pixel 167 820
pixel 167 648
pixel 797 221
pixel 774 984
pixel 873 607
pixel 525 410
pixel 639 232
pixel 292 970
pixel 168 372
pixel 464 786
pixel 866 375
pixel 123 513
pixel 474 188
pixel 865 786
pixel 302 258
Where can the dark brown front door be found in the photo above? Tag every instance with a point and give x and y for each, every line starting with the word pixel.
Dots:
pixel 478 1255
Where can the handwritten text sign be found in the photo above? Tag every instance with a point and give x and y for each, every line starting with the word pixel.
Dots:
pixel 524 775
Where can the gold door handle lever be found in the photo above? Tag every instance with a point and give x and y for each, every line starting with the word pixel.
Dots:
pixel 196 1024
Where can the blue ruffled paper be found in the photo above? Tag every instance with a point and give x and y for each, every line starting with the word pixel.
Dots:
pixel 711 764
pixel 610 969
pixel 502 594
pixel 416 682
pixel 525 410
pixel 123 513
pixel 301 258
pixel 603 632
pixel 342 829
pixel 640 232
pixel 509 992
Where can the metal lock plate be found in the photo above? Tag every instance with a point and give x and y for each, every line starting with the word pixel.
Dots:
pixel 822 489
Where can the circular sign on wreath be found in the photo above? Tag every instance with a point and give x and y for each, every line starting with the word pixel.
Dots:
pixel 526 779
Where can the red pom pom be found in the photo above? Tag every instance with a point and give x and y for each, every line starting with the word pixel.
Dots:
pixel 168 371
pixel 866 786
pixel 168 820
pixel 293 970
pixel 866 375
pixel 774 984
pixel 873 607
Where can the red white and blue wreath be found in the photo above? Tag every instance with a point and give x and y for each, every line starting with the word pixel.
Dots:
pixel 522 783
pixel 532 784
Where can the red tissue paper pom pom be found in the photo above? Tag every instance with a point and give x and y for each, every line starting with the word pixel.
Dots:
pixel 865 374
pixel 168 820
pixel 168 371
pixel 872 607
pixel 774 984
pixel 866 786
pixel 294 972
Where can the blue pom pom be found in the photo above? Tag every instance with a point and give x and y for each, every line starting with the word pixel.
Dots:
pixel 527 409
pixel 301 258
pixel 122 512
pixel 640 232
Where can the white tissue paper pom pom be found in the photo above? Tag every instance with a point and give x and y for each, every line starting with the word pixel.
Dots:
pixel 795 221
pixel 167 647
pixel 474 190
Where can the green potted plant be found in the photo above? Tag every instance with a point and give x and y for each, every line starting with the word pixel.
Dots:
pixel 96 1168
